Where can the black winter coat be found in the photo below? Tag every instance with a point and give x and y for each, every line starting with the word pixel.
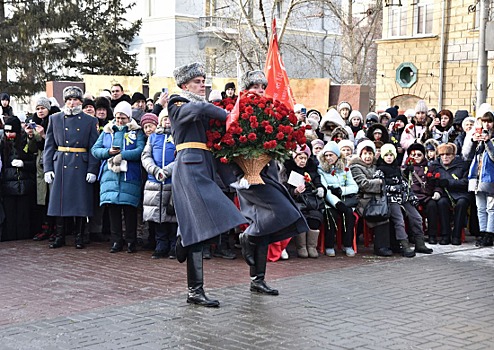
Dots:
pixel 17 181
pixel 456 174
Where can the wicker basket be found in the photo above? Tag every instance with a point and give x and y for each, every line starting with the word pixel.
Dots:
pixel 252 168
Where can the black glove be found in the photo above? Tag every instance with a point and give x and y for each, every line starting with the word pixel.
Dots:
pixel 341 206
pixel 443 183
pixel 336 191
pixel 408 169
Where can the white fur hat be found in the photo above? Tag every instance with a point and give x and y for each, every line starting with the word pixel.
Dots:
pixel 346 143
pixel 363 144
pixel 344 104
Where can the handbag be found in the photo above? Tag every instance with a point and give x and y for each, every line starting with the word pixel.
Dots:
pixel 377 209
pixel 310 201
pixel 350 201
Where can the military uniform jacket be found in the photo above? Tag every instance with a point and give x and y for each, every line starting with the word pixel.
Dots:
pixel 202 209
pixel 70 193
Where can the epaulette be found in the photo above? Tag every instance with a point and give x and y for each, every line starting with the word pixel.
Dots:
pixel 179 103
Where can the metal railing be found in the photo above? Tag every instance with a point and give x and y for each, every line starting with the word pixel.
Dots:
pixel 217 22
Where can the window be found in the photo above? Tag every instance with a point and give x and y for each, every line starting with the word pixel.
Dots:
pixel 279 8
pixel 423 17
pixel 397 20
pixel 151 7
pixel 151 54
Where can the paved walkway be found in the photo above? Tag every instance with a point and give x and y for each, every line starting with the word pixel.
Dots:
pixel 90 299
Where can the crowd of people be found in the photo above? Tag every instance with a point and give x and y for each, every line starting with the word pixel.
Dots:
pixel 133 171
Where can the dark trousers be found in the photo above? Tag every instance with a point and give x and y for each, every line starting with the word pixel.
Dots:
pixel 130 215
pixel 17 217
pixel 347 220
pixel 431 213
pixel 460 216
pixel 166 235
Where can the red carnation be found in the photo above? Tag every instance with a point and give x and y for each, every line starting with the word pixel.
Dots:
pixel 252 136
pixel 280 136
pixel 242 139
pixel 429 175
pixel 437 176
pixel 346 169
pixel 333 173
pixel 223 160
pixel 253 119
pixel 268 129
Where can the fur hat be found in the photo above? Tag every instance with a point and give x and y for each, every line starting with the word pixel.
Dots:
pixel 363 144
pixel 72 92
pixel 184 74
pixel 149 118
pixel 43 102
pixel 446 148
pixel 332 147
pixel 421 107
pixel 431 145
pixel 252 77
pixel 388 147
pixel 356 114
pixel 88 102
pixel 102 102
pixel 304 149
pixel 416 147
pixel 317 142
pixel 214 95
pixel 13 124
pixel 344 104
pixel 346 143
pixel 230 85
pixel 137 96
pixel 466 120
pixel 123 107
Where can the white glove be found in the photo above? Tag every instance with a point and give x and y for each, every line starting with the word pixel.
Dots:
pixel 17 163
pixel 49 176
pixel 160 175
pixel 242 184
pixel 320 192
pixel 91 178
pixel 436 196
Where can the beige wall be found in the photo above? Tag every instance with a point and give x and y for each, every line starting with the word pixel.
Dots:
pixel 460 65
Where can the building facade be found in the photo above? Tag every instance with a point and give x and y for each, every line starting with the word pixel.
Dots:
pixel 429 51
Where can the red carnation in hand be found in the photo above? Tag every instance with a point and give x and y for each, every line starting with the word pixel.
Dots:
pixel 252 136
pixel 437 176
pixel 307 177
pixel 333 173
pixel 346 169
pixel 429 175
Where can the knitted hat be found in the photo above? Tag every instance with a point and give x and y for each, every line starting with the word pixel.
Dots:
pixel 4 96
pixel 72 92
pixel 149 118
pixel 13 124
pixel 102 102
pixel 460 115
pixel 184 74
pixel 356 114
pixel 318 142
pixel 346 143
pixel 363 144
pixel 304 149
pixel 393 112
pixel 214 95
pixel 298 107
pixel 421 106
pixel 123 107
pixel 387 148
pixel 252 77
pixel 402 118
pixel 416 147
pixel 344 104
pixel 332 147
pixel 445 148
pixel 314 114
pixel 371 116
pixel 88 102
pixel 230 85
pixel 137 96
pixel 43 102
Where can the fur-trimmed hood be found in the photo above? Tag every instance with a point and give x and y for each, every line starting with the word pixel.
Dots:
pixel 109 128
pixel 373 127
pixel 330 121
pixel 340 130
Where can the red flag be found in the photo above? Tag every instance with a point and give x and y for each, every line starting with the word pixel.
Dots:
pixel 274 69
pixel 234 114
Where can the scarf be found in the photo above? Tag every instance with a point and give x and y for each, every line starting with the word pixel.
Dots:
pixel 72 111
pixel 192 96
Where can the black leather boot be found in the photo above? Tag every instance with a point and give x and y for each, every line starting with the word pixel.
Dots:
pixel 248 249
pixel 407 251
pixel 420 246
pixel 382 240
pixel 59 235
pixel 195 280
pixel 181 252
pixel 258 272
pixel 79 232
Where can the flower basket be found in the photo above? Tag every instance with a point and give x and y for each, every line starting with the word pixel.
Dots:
pixel 252 167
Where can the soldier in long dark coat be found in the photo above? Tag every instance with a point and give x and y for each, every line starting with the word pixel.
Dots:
pixel 70 167
pixel 202 210
pixel 272 213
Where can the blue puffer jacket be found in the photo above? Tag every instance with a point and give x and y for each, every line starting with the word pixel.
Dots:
pixel 123 188
pixel 157 141
pixel 483 182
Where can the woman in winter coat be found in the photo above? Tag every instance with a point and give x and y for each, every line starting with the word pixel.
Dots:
pixel 157 158
pixel 363 169
pixel 451 176
pixel 310 192
pixel 441 129
pixel 481 179
pixel 341 188
pixel 120 146
pixel 18 181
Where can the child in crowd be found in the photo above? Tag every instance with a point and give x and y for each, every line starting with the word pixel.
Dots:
pixel 400 196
